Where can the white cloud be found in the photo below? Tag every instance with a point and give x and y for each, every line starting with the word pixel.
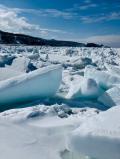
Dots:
pixel 70 13
pixel 87 6
pixel 114 16
pixel 47 12
pixel 11 21
pixel 87 1
pixel 93 19
pixel 42 12
pixel 57 13
pixel 100 18
pixel 109 40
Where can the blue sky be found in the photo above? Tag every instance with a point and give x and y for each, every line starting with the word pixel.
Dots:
pixel 80 20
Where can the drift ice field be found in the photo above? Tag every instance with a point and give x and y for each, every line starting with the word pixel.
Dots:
pixel 59 102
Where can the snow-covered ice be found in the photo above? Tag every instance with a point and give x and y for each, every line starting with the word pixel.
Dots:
pixel 67 124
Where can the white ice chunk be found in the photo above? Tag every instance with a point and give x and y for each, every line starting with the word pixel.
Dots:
pixel 84 88
pixel 20 64
pixel 113 69
pixel 75 85
pixel 111 97
pixel 34 85
pixel 104 79
pixel 98 137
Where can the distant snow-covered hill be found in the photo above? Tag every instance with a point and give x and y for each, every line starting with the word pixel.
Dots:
pixel 11 38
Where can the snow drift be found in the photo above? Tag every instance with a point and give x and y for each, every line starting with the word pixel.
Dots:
pixel 31 132
pixel 28 87
pixel 98 137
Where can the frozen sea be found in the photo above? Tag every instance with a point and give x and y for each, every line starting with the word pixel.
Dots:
pixel 59 102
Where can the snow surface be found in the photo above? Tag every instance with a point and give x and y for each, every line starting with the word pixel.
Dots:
pixel 99 137
pixel 38 131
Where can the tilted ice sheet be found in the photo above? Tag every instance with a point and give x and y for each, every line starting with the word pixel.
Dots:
pixel 41 83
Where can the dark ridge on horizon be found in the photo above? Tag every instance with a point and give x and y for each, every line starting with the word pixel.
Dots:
pixel 22 39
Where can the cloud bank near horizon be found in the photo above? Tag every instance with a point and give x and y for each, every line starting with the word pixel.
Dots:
pixel 14 19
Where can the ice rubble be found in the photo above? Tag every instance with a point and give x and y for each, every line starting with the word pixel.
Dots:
pixel 40 127
pixel 41 83
pixel 84 88
pixel 111 97
pixel 99 137
pixel 22 64
pixel 18 66
pixel 103 78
